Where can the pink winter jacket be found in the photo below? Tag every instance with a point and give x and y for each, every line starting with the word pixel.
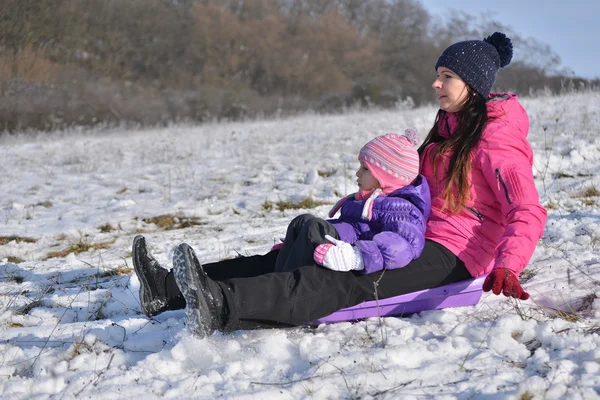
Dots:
pixel 503 219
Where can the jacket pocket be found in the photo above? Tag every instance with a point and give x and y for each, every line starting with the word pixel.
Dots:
pixel 475 213
pixel 503 184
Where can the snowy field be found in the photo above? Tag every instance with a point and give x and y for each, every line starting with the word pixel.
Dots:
pixel 70 319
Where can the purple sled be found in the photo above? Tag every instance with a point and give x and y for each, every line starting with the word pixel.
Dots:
pixel 463 293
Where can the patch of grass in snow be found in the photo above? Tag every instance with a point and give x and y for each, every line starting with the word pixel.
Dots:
pixel 574 311
pixel 5 239
pixel 122 190
pixel 590 191
pixel 123 270
pixel 15 260
pixel 169 222
pixel 327 173
pixel 527 274
pixel 526 396
pixel 81 246
pixel 306 203
pixel 106 228
pixel 45 204
pixel 562 175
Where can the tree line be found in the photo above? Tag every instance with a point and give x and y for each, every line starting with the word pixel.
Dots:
pixel 84 62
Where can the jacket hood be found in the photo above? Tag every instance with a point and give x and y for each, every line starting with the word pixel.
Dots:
pixel 417 193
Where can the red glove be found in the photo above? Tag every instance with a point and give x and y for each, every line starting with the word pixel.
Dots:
pixel 279 245
pixel 505 281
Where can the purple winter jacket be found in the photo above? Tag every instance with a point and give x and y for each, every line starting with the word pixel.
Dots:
pixel 396 233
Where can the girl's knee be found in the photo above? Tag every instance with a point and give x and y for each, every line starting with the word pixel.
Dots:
pixel 303 219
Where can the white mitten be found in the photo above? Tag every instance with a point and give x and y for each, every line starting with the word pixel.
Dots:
pixel 339 256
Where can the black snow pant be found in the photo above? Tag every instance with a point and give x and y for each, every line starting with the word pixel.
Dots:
pixel 304 234
pixel 259 297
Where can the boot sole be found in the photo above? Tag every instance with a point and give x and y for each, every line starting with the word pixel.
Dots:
pixel 145 295
pixel 196 311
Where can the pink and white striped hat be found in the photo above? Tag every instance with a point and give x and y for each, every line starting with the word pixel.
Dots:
pixel 392 159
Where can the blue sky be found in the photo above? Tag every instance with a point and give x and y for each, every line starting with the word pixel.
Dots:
pixel 570 27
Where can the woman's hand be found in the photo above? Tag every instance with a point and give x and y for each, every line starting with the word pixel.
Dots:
pixel 505 281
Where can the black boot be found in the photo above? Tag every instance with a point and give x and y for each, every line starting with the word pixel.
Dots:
pixel 155 296
pixel 205 309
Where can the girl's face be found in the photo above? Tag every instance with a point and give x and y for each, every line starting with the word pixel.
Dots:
pixel 366 181
pixel 451 90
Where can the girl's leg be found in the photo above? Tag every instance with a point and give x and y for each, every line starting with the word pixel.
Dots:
pixel 305 294
pixel 304 234
pixel 242 267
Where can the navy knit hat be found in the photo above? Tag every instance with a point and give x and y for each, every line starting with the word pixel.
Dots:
pixel 478 61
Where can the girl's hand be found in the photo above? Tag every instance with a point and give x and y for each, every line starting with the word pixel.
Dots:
pixel 339 256
pixel 505 281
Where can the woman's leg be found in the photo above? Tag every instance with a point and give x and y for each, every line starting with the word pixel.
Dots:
pixel 158 289
pixel 311 292
pixel 239 267
pixel 304 234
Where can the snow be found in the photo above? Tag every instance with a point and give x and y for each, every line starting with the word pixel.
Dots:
pixel 71 324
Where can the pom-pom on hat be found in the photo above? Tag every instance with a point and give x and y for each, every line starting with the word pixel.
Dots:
pixel 392 159
pixel 478 61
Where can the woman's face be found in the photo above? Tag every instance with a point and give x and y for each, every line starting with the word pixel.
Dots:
pixel 366 181
pixel 451 90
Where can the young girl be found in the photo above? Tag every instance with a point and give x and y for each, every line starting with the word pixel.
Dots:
pixel 383 224
pixel 485 215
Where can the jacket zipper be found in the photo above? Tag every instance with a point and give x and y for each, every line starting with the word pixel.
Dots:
pixel 475 212
pixel 501 182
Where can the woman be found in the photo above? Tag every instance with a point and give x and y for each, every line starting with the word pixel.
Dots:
pixel 485 218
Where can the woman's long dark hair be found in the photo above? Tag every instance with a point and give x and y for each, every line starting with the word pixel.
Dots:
pixel 472 118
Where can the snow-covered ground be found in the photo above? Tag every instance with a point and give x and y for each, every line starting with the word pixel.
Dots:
pixel 71 324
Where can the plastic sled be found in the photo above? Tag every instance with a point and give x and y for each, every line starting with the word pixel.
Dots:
pixel 458 294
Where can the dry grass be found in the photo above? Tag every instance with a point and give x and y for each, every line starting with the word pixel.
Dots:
pixel 169 221
pixel 327 173
pixel 590 191
pixel 18 239
pixel 81 246
pixel 593 330
pixel 527 274
pixel 124 270
pixel 574 311
pixel 516 364
pixel 15 260
pixel 306 203
pixel 45 204
pixel 106 228
pixel 526 396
